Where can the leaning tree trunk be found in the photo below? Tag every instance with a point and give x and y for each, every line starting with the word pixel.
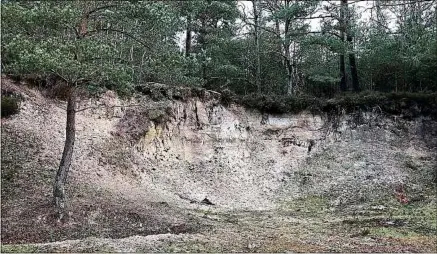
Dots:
pixel 61 175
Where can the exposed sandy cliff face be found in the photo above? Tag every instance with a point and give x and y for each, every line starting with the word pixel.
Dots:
pixel 243 159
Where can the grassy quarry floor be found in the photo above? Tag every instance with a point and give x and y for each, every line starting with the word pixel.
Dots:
pixel 307 225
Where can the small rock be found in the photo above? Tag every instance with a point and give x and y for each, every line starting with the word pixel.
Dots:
pixel 206 201
pixel 378 207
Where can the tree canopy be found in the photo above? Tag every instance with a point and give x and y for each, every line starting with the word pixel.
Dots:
pixel 270 47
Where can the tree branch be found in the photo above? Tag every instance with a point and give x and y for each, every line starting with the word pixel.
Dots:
pixel 106 58
pixel 101 8
pixel 318 17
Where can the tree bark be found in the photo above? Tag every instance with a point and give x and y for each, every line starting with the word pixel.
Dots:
pixel 61 175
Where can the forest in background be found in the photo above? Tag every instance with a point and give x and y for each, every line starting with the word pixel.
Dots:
pixel 264 48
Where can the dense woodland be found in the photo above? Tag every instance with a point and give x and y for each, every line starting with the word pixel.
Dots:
pixel 317 48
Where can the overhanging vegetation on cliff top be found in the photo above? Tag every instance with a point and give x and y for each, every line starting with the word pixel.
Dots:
pixel 410 104
pixel 407 104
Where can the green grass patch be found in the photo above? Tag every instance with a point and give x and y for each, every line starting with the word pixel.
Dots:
pixel 422 217
pixel 393 232
pixel 311 206
pixel 402 221
pixel 18 248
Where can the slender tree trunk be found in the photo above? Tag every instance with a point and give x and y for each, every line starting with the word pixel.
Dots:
pixel 61 175
pixel 352 60
pixel 288 64
pixel 343 84
pixel 294 63
pixel 353 64
pixel 290 85
pixel 256 17
pixel 188 37
pixel 59 197
pixel 289 68
pixel 202 43
pixel 278 37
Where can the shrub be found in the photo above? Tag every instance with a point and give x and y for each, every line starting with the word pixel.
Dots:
pixel 10 106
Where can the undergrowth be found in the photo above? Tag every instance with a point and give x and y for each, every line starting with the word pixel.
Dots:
pixel 407 104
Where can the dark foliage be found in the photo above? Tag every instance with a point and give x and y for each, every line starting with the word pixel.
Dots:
pixel 9 106
pixel 408 105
